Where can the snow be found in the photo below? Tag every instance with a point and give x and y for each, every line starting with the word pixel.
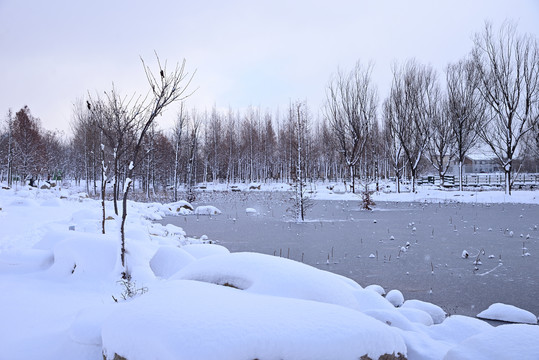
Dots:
pixel 207 321
pixel 376 288
pixel 207 210
pixel 61 295
pixel 395 297
pixel 268 275
pixel 168 260
pixel 502 342
pixel 182 207
pixel 202 250
pixel 436 313
pixel 509 313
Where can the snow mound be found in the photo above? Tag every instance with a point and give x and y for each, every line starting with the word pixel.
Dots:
pixel 270 275
pixel 251 211
pixel 437 314
pixel 183 319
pixel 395 297
pixel 509 313
pixel 457 328
pixel 207 210
pixel 85 255
pixel 168 260
pixel 203 250
pixel 514 341
pixel 416 316
pixel 376 288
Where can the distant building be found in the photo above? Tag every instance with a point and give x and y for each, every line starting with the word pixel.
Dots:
pixel 477 162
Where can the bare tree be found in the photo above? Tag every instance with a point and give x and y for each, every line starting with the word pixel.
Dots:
pixel 179 126
pixel 166 89
pixel 393 142
pixel 351 109
pixel 8 140
pixel 464 107
pixel 507 64
pixel 298 113
pixel 193 131
pixel 441 145
pixel 410 108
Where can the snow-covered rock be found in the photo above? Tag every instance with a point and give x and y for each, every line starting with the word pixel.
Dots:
pixel 395 297
pixel 376 288
pixel 437 314
pixel 509 313
pixel 416 315
pixel 180 207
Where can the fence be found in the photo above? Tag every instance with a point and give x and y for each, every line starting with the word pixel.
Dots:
pixel 497 179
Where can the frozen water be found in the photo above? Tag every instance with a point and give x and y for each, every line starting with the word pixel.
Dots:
pixel 339 237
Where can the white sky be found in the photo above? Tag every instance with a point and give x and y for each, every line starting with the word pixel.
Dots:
pixel 259 53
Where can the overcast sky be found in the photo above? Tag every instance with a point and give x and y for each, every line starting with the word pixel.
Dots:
pixel 246 53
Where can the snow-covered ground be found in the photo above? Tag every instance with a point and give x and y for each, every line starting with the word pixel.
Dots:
pixel 62 296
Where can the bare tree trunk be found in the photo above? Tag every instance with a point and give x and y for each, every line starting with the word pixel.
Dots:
pixel 103 186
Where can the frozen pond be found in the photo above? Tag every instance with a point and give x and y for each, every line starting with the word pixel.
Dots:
pixel 367 246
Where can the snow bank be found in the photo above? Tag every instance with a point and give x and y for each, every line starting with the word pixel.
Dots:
pixel 193 320
pixel 509 313
pixel 515 341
